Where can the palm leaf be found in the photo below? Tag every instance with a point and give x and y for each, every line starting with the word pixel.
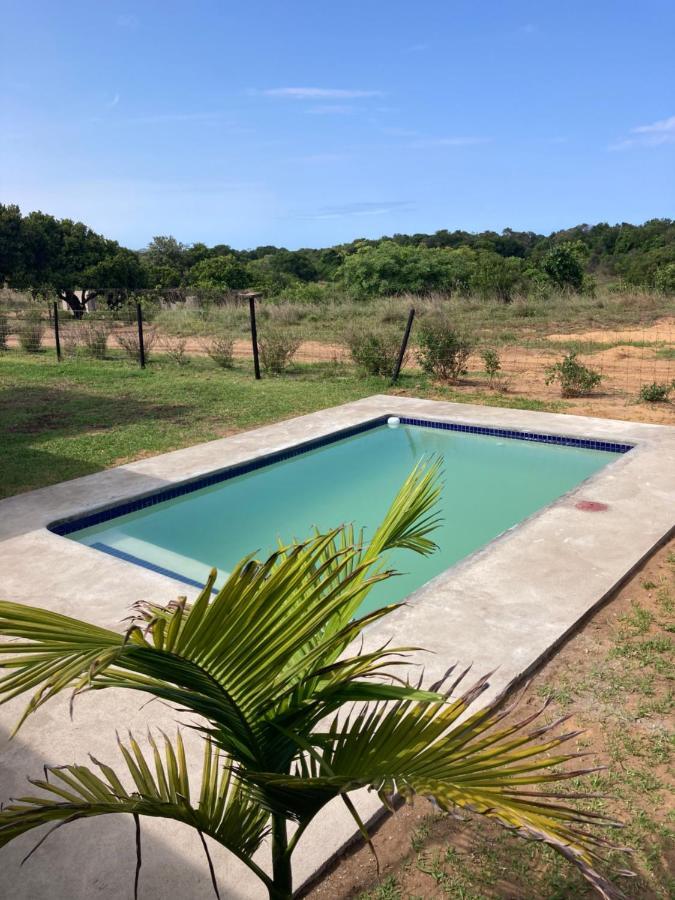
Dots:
pixel 161 789
pixel 459 759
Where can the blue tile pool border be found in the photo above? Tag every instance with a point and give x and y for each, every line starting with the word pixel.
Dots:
pixel 512 434
pixel 78 523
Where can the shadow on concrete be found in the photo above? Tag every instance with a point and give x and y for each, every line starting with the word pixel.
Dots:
pixel 97 857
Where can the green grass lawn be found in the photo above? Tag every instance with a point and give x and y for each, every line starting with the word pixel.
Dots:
pixel 60 421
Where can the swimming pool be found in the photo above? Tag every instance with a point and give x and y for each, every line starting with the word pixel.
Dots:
pixel 493 479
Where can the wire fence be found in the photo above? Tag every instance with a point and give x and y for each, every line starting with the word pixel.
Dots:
pixel 498 350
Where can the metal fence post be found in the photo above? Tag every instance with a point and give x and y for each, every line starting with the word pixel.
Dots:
pixel 57 339
pixel 141 346
pixel 404 344
pixel 254 338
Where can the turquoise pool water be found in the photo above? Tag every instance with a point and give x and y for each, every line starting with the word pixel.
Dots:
pixel 491 484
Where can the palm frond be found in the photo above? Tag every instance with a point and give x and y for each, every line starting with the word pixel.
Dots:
pixel 269 637
pixel 459 759
pixel 161 789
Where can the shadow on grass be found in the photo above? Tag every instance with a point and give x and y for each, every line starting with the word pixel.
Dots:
pixel 31 417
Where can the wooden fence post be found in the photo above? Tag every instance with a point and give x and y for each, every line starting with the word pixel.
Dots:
pixel 141 346
pixel 57 339
pixel 254 338
pixel 404 344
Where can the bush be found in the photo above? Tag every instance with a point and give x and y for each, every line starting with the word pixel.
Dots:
pixel 31 332
pixel 444 352
pixel 95 335
pixel 70 339
pixel 221 351
pixel 493 365
pixel 575 378
pixel 174 347
pixel 277 349
pixel 655 392
pixel 4 331
pixel 375 351
pixel 128 341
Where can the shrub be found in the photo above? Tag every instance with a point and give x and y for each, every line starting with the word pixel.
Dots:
pixel 444 352
pixel 575 378
pixel 70 339
pixel 4 331
pixel 128 341
pixel 31 332
pixel 174 347
pixel 655 392
pixel 493 365
pixel 221 350
pixel 95 335
pixel 375 350
pixel 277 349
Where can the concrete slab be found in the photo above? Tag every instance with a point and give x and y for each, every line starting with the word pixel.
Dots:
pixel 505 606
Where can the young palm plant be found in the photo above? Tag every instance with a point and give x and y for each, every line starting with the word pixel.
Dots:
pixel 290 717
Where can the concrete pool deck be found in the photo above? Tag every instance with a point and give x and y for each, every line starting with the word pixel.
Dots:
pixel 507 606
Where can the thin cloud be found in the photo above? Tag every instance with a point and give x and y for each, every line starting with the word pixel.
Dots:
pixel 315 93
pixel 653 135
pixel 361 208
pixel 113 103
pixel 417 48
pixel 459 141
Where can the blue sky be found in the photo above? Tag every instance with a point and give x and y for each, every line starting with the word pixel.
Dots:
pixel 310 123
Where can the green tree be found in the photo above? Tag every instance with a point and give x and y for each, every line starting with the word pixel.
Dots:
pixel 222 272
pixel 11 248
pixel 392 268
pixel 265 665
pixel 563 264
pixel 497 276
pixel 664 278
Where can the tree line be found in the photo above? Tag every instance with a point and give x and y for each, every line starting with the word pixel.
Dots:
pixel 43 254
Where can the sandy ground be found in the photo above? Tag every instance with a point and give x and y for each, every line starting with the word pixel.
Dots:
pixel 650 333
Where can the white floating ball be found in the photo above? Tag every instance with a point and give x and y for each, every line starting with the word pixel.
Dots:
pixel 393 421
